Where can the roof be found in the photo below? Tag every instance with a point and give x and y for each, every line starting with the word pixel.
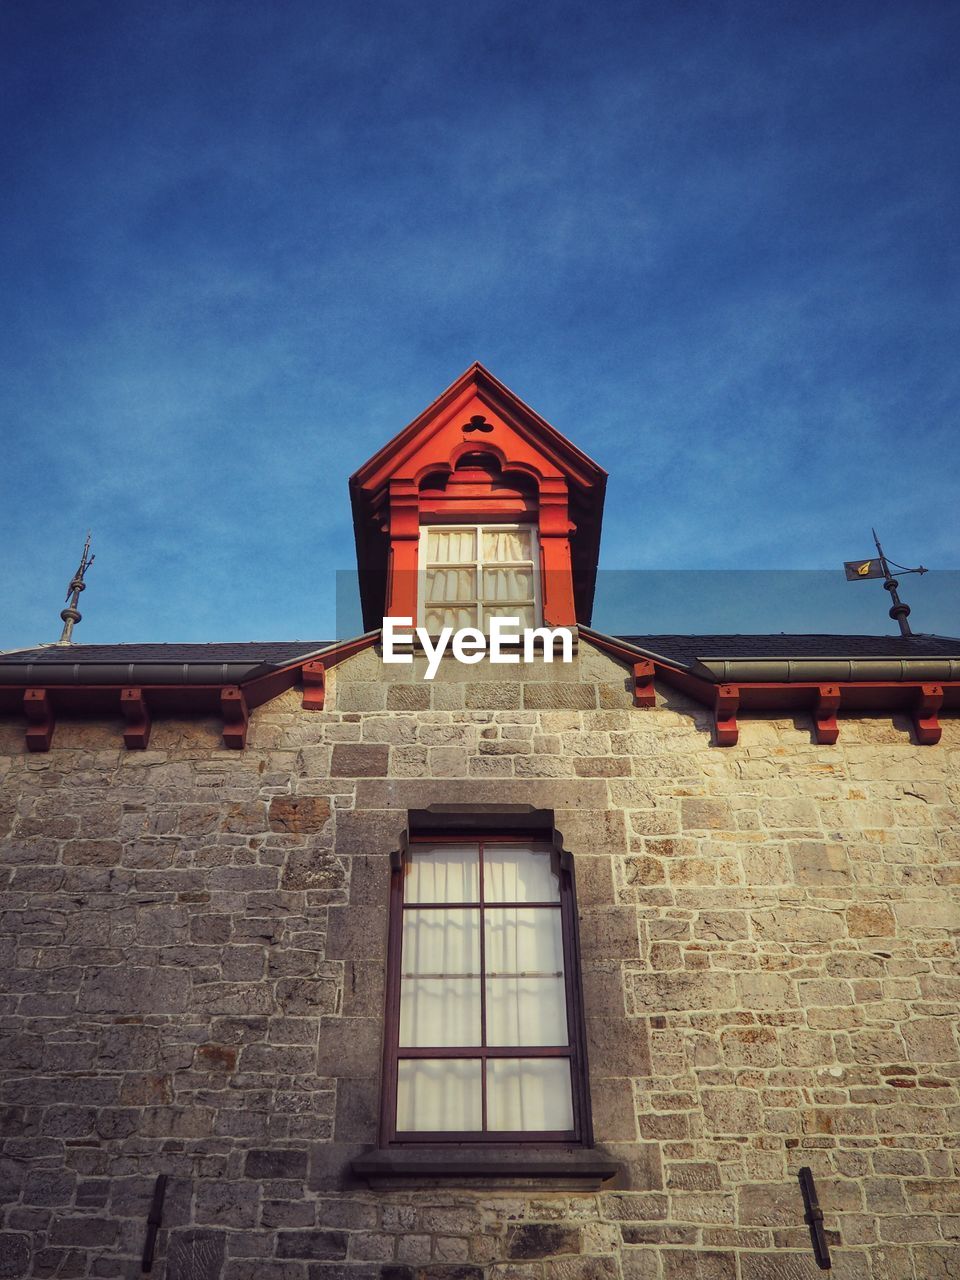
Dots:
pixel 687 649
pixel 681 650
pixel 255 652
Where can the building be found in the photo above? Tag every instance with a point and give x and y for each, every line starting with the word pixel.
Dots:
pixel 530 971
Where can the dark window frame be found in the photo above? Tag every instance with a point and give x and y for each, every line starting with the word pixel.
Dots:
pixel 581 1135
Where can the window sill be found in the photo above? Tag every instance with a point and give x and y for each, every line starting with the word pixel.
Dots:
pixel 566 1168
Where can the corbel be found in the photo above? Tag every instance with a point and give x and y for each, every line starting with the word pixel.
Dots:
pixel 925 722
pixel 725 715
pixel 135 711
pixel 644 694
pixel 314 686
pixel 236 717
pixel 39 712
pixel 825 727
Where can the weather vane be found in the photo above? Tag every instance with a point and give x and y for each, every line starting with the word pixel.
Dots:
pixel 879 567
pixel 71 615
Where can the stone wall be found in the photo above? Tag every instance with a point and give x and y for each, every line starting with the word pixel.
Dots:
pixel 193 948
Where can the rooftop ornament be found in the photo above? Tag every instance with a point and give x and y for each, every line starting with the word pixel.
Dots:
pixel 71 615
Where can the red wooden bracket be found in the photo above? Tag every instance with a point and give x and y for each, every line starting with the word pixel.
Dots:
pixel 825 727
pixel 137 715
pixel 236 717
pixel 644 694
pixel 925 721
pixel 39 712
pixel 314 686
pixel 725 715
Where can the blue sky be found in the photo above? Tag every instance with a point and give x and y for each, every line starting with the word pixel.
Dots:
pixel 244 243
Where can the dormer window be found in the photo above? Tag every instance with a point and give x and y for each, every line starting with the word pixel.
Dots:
pixel 472 572
pixel 478 508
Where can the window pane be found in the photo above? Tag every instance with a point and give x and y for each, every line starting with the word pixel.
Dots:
pixel 441 1011
pixel 526 1011
pixel 451 546
pixel 507 544
pixel 455 616
pixel 529 1093
pixel 513 873
pixel 524 612
pixel 523 940
pixel 438 1094
pixel 451 585
pixel 442 873
pixel 507 584
pixel 439 943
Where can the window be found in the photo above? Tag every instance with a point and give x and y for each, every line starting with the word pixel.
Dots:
pixel 484 1032
pixel 470 572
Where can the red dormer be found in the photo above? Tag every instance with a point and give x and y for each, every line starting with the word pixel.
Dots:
pixel 479 506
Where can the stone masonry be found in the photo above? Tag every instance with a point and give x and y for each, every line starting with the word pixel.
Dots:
pixel 193 943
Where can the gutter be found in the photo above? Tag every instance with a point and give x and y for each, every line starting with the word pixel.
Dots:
pixel 825 670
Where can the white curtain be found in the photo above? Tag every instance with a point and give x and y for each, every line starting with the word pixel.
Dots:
pixel 451 584
pixel 507 584
pixel 451 546
pixel 504 545
pixel 438 1094
pixel 529 1093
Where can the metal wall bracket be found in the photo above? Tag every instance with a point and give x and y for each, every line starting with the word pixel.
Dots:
pixel 814 1218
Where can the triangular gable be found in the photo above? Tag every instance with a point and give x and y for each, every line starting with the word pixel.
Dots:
pixel 479 419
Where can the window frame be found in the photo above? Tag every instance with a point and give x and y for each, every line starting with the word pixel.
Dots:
pixel 478 564
pixel 580 1135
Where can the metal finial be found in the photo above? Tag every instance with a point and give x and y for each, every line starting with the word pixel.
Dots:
pixel 857 570
pixel 71 615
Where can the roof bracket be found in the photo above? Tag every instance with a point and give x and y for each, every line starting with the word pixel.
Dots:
pixel 236 717
pixel 928 703
pixel 137 715
pixel 314 686
pixel 644 694
pixel 39 712
pixel 825 727
pixel 725 708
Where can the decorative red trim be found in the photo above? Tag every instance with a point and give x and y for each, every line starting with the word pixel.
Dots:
pixel 41 722
pixel 825 727
pixel 925 722
pixel 314 686
pixel 725 715
pixel 644 693
pixel 395 492
pixel 135 711
pixel 236 717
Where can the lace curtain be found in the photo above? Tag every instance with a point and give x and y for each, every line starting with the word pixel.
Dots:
pixel 451 594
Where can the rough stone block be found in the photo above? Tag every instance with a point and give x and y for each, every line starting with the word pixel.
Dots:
pixel 135 990
pixel 731 1111
pixel 311 1244
pixel 195 1254
pixel 298 814
pixel 359 760
pixel 276 1162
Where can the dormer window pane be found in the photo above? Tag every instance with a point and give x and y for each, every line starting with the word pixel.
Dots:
pixel 471 573
pixel 451 546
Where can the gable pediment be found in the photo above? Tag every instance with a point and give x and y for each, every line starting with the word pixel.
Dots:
pixel 479 434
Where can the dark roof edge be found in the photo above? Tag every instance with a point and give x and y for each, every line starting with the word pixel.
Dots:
pixel 779 670
pixel 601 637
pixel 49 674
